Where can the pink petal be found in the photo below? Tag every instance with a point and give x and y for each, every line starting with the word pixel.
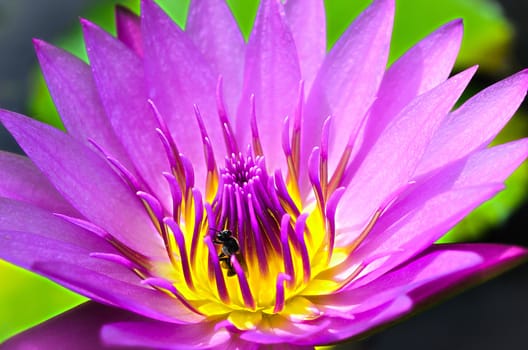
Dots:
pixel 26 249
pixel 77 329
pixel 342 328
pixel 490 165
pixel 416 222
pixel 19 216
pixel 103 288
pixel 272 74
pixel 225 52
pixel 308 26
pixel 428 63
pixel 495 260
pixel 179 77
pixel 475 123
pixel 279 330
pixel 398 149
pixel 87 182
pixel 349 78
pixel 119 77
pixel 128 29
pixel 441 269
pixel 157 335
pixel 440 262
pixel 74 93
pixel 485 168
pixel 420 69
pixel 23 181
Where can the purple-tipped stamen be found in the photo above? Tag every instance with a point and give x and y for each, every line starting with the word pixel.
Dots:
pixel 259 243
pixel 229 139
pixel 163 284
pixel 300 226
pixel 297 127
pixel 282 191
pixel 249 302
pixel 176 195
pixel 198 220
pixel 331 207
pixel 218 275
pixel 286 251
pixel 182 249
pixel 279 288
pixel 257 146
pixel 313 174
pixel 116 259
pixel 323 157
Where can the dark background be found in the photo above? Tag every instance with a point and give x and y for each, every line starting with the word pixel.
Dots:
pixel 491 316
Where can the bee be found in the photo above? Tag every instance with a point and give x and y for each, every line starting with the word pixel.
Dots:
pixel 230 246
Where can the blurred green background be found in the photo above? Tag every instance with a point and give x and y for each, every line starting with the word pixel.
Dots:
pixel 27 299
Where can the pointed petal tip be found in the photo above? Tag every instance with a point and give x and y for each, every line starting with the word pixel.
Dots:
pixel 44 50
pixel 455 23
pixel 521 252
pixel 523 74
pixel 6 116
pixel 39 44
pixel 519 79
pixel 472 70
pixel 87 25
pixel 454 27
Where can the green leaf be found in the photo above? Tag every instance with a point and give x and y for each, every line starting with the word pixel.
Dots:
pixel 27 299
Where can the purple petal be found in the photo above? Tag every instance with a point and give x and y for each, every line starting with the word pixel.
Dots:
pixel 103 288
pixel 475 123
pixel 128 27
pixel 87 182
pixel 272 74
pixel 490 165
pixel 399 148
pixel 420 69
pixel 26 249
pixel 77 329
pixel 225 52
pixel 154 334
pixel 349 78
pixel 416 222
pixel 118 74
pixel 495 260
pixel 179 77
pixel 308 25
pixel 277 329
pixel 437 263
pixel 23 181
pixel 441 269
pixel 342 328
pixel 426 64
pixel 399 229
pixel 74 93
pixel 19 216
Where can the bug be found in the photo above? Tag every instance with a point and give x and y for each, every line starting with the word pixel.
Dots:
pixel 230 246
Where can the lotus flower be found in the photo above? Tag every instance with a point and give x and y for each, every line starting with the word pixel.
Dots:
pixel 210 193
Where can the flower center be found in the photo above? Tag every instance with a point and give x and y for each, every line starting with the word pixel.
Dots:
pixel 249 242
pixel 259 236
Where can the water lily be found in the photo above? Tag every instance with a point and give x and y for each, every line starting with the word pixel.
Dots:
pixel 215 193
